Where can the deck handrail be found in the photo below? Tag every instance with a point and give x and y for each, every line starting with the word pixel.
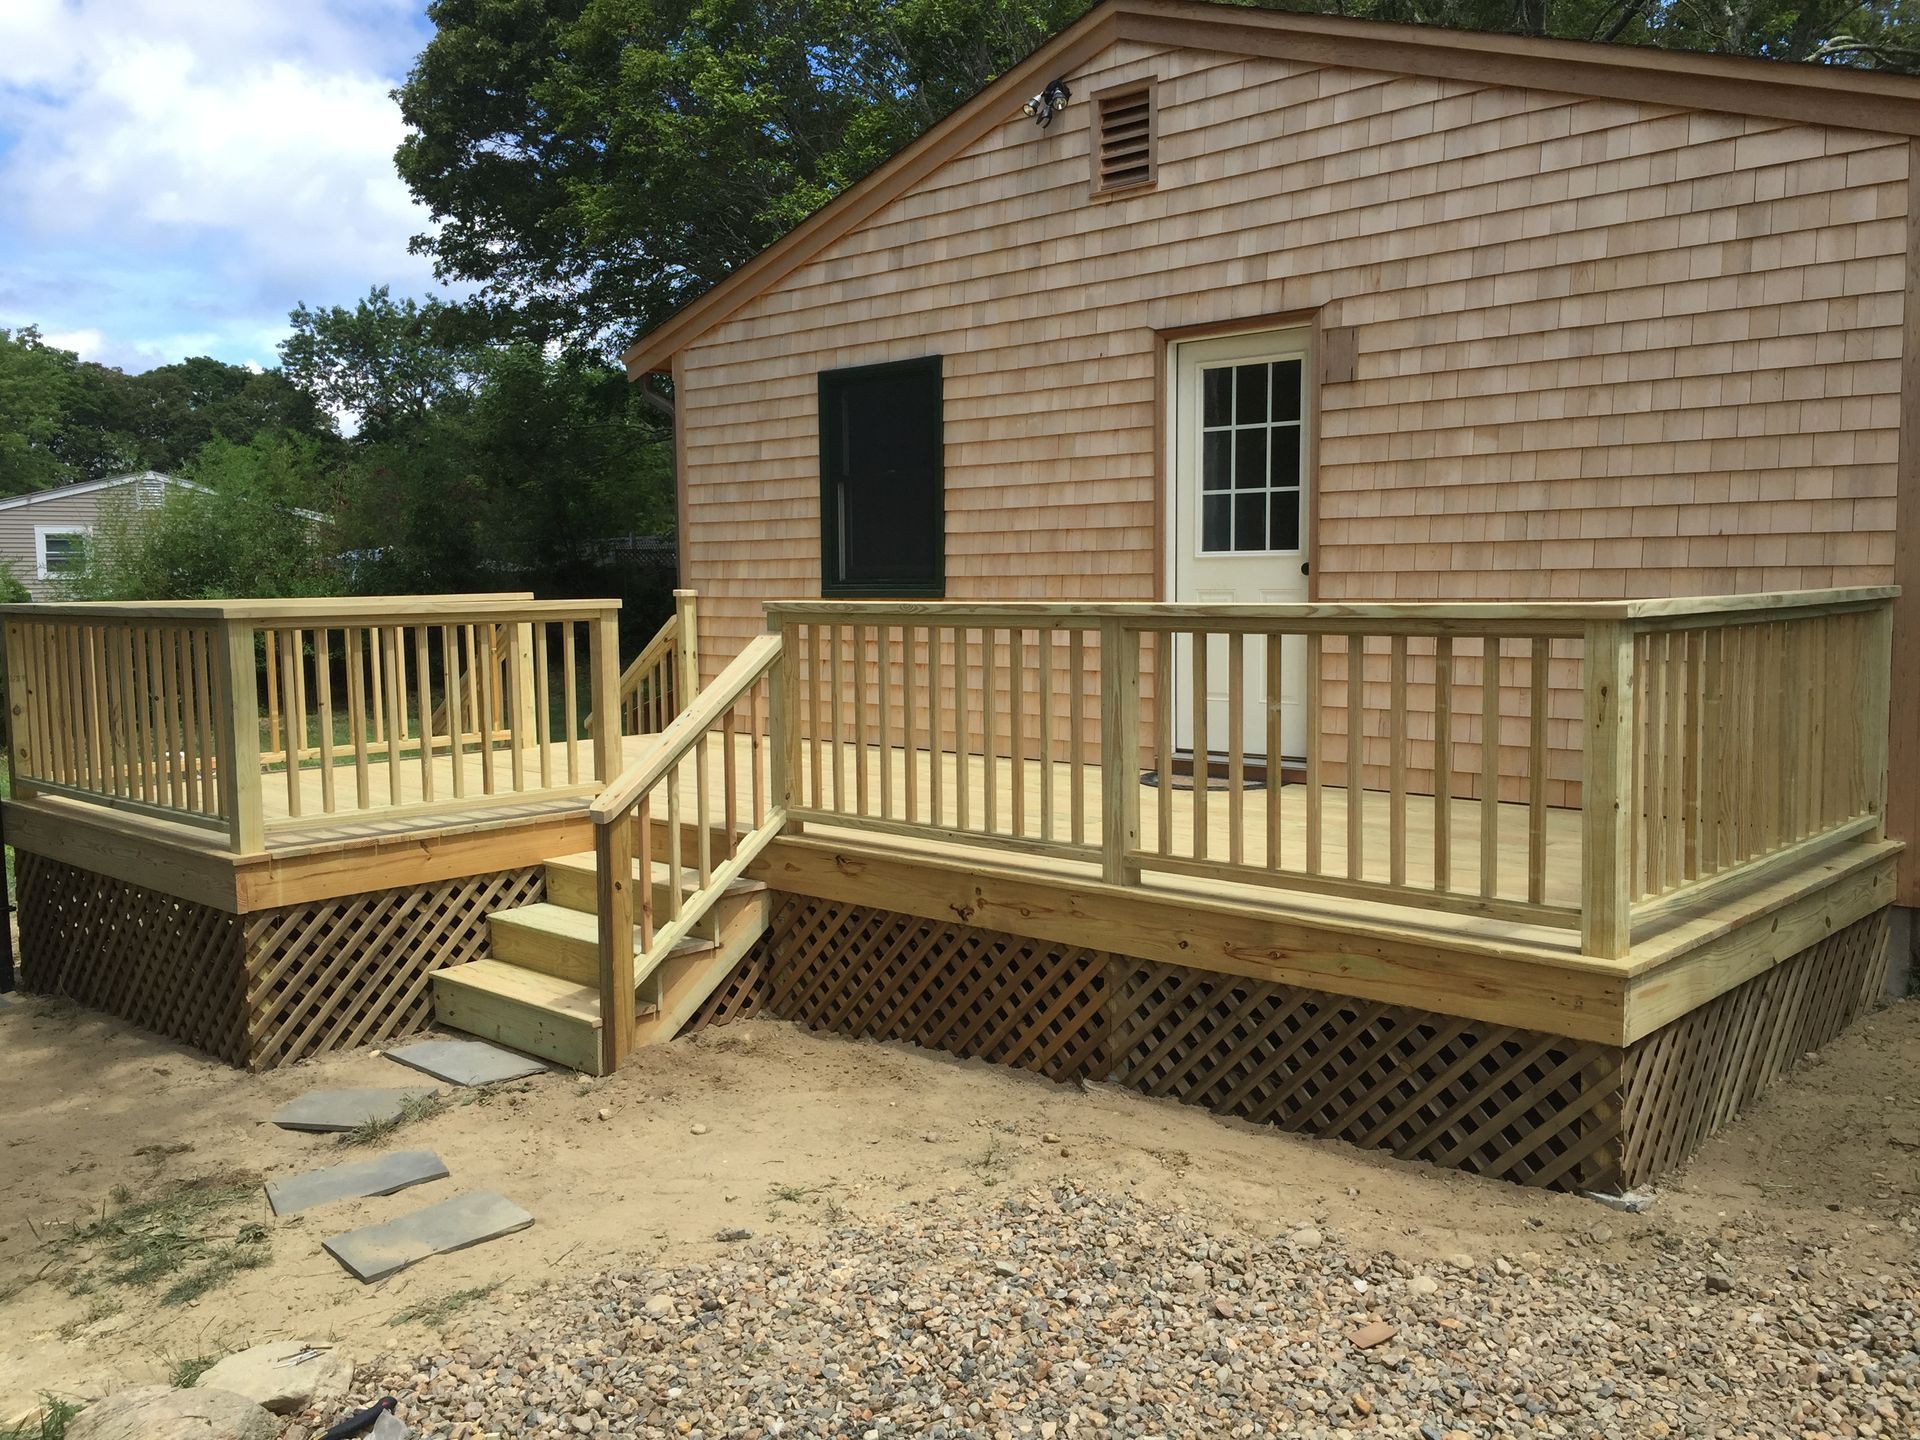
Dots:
pixel 1648 711
pixel 186 711
pixel 623 829
pixel 654 686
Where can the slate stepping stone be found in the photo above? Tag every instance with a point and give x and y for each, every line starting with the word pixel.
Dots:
pixel 380 1176
pixel 346 1109
pixel 374 1252
pixel 467 1062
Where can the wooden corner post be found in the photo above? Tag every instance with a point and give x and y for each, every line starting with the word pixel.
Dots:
pixel 783 721
pixel 22 745
pixel 603 665
pixel 1119 752
pixel 239 740
pixel 686 610
pixel 1606 864
pixel 614 882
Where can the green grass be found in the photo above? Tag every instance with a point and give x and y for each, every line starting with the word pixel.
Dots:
pixel 185 1373
pixel 438 1311
pixel 56 1415
pixel 175 1236
pixel 372 1132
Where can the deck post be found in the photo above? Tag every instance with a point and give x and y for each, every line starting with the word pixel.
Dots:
pixel 22 749
pixel 686 609
pixel 614 881
pixel 1119 752
pixel 603 665
pixel 239 740
pixel 783 723
pixel 528 724
pixel 1606 866
pixel 1875 712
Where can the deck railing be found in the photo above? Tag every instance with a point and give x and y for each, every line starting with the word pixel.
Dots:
pixel 254 716
pixel 1572 765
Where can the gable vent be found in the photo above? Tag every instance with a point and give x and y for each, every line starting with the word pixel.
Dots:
pixel 1123 142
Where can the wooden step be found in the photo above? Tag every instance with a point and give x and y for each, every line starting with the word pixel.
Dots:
pixel 563 943
pixel 572 882
pixel 540 1014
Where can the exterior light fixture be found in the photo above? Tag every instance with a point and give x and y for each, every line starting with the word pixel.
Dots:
pixel 1044 106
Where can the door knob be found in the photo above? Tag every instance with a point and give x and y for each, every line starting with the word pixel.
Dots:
pixel 1303 567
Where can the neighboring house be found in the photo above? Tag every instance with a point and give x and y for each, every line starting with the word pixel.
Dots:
pixel 44 535
pixel 1291 308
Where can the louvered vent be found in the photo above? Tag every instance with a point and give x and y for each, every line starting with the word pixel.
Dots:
pixel 1123 158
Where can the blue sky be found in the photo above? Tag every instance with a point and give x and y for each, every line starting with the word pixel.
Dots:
pixel 176 174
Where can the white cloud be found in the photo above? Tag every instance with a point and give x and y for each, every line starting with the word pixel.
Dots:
pixel 242 153
pixel 87 344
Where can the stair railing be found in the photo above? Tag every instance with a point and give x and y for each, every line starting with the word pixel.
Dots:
pixel 665 674
pixel 730 728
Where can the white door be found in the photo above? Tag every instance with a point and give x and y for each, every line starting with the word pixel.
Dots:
pixel 1239 505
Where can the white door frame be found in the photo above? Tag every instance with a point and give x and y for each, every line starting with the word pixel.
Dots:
pixel 1179 468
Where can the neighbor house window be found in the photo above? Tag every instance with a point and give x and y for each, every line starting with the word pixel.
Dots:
pixel 61 552
pixel 882 489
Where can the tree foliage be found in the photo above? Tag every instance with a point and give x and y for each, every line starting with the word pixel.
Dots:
pixel 591 164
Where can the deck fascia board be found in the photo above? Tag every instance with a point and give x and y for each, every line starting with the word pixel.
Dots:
pixel 1428 968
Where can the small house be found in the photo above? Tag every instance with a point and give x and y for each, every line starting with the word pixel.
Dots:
pixel 44 534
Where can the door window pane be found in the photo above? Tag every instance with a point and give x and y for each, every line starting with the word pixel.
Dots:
pixel 1250 444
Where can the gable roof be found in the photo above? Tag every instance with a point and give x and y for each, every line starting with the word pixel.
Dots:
pixel 145 478
pixel 1812 94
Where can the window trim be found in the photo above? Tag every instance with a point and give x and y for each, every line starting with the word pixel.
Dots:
pixel 934 588
pixel 41 534
pixel 1097 104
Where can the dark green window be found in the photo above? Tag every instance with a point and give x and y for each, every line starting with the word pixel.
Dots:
pixel 882 486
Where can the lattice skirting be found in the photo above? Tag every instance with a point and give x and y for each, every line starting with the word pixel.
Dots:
pixel 261 990
pixel 163 963
pixel 1519 1105
pixel 1688 1079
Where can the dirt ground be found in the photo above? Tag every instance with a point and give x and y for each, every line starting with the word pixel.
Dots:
pixel 770 1128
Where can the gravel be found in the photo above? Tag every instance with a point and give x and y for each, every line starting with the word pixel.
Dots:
pixel 1073 1313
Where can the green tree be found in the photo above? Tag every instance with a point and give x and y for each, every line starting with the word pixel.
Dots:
pixel 37 390
pixel 385 363
pixel 246 527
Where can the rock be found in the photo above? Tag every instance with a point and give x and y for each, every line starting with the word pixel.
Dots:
pixel 659 1304
pixel 1377 1332
pixel 1600 1234
pixel 284 1389
pixel 604 1113
pixel 737 1232
pixel 159 1412
pixel 1719 1284
pixel 1049 1138
pixel 1306 1238
pixel 697 1129
pixel 1461 1260
pixel 1423 1285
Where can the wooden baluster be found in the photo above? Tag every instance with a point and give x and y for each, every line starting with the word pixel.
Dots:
pixel 1165 669
pixel 393 658
pixel 542 704
pixel 703 806
pixel 377 694
pixel 485 676
pixel 570 678
pixel 62 736
pixel 144 687
pixel 1400 739
pixel 1043 650
pixel 105 766
pixel 673 843
pixel 272 645
pixel 1673 759
pixel 423 706
pixel 1639 781
pixel 297 738
pixel 990 726
pixel 1490 767
pixel 1236 749
pixel 451 682
pixel 1119 753
pixel 963 729
pixel 1315 781
pixel 858 640
pixel 1017 728
pixel 883 704
pixel 1276 745
pixel 470 643
pixel 1691 807
pixel 1202 748
pixel 836 702
pixel 292 716
pixel 357 701
pixel 936 727
pixel 1537 771
pixel 643 836
pixel 323 689
pixel 1443 763
pixel 1076 729
pixel 909 717
pixel 206 797
pixel 758 697
pixel 514 717
pixel 731 792
pixel 1356 780
pixel 816 692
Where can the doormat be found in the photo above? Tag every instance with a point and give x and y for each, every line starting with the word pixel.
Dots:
pixel 1151 779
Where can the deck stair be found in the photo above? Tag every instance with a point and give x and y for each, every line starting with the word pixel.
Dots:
pixel 538 990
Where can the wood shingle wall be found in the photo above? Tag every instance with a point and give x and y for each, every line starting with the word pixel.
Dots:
pixel 1599 348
